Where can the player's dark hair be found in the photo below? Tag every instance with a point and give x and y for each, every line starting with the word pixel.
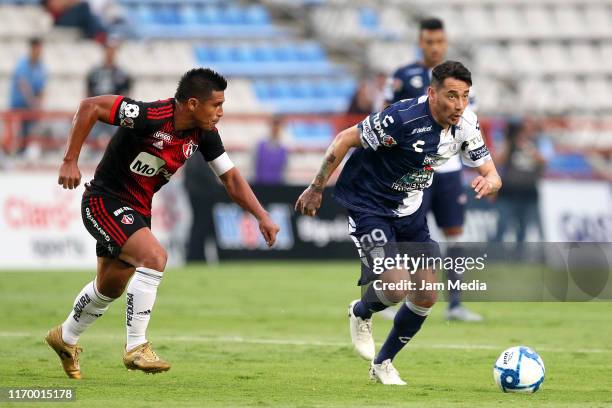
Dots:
pixel 199 83
pixel 450 69
pixel 35 41
pixel 432 23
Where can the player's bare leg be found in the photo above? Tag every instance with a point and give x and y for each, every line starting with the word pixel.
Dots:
pixel 91 303
pixel 149 258
pixel 407 323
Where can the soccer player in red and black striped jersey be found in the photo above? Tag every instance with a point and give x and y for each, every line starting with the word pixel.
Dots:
pixel 152 142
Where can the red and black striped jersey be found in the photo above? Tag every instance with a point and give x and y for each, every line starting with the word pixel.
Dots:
pixel 146 151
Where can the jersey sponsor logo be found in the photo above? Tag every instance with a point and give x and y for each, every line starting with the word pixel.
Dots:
pixel 421 130
pixel 416 145
pixel 418 179
pixel 475 141
pixel 159 144
pixel 163 136
pixel 121 210
pixel 433 160
pixel 128 219
pixel 368 135
pixel 189 149
pixel 96 226
pixel 146 164
pixel 479 153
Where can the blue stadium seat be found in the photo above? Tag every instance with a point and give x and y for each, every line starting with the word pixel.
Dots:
pixel 264 53
pixel 209 15
pixel 188 14
pixel 368 18
pixel 257 15
pixel 311 52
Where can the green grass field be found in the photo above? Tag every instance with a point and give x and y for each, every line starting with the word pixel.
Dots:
pixel 276 334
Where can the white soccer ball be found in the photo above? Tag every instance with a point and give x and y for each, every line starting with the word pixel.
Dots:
pixel 519 369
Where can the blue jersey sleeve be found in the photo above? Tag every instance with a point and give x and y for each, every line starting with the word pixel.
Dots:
pixel 381 129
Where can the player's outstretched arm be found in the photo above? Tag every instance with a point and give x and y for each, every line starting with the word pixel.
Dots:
pixel 310 200
pixel 488 182
pixel 90 110
pixel 240 192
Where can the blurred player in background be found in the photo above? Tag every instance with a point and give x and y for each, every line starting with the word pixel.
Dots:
pixel 153 141
pixel 107 79
pixel 381 186
pixel 445 198
pixel 28 84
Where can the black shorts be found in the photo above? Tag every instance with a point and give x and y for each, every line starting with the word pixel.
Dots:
pixel 111 222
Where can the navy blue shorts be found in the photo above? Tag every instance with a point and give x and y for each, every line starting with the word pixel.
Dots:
pixel 385 237
pixel 446 198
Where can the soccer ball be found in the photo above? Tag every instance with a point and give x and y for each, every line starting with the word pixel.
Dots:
pixel 519 369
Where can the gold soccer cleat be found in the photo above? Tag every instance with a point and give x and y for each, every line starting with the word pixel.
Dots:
pixel 69 355
pixel 144 358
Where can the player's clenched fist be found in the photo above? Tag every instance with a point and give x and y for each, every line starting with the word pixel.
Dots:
pixel 69 175
pixel 309 201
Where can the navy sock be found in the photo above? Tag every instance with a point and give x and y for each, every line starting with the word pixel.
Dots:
pixel 369 303
pixel 405 325
pixel 454 295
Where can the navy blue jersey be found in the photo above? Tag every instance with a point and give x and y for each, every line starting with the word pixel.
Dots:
pixel 409 81
pixel 401 148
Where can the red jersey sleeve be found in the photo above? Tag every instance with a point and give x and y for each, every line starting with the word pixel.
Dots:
pixel 137 115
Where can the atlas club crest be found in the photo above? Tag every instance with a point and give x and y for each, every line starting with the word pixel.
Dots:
pixel 189 149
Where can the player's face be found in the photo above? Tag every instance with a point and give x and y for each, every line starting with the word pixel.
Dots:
pixel 207 113
pixel 434 46
pixel 449 101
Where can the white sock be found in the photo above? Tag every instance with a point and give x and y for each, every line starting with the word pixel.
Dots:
pixel 420 310
pixel 88 306
pixel 141 293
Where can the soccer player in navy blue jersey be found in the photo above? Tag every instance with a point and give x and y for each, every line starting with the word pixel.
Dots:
pixel 445 198
pixel 153 140
pixel 381 186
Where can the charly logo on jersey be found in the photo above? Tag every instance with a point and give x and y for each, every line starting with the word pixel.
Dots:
pixel 146 164
pixel 189 149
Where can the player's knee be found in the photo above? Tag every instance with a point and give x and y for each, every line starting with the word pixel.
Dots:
pixel 156 259
pixel 396 296
pixel 112 292
pixel 426 299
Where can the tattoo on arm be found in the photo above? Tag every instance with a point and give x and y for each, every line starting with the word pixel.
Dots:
pixel 324 172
